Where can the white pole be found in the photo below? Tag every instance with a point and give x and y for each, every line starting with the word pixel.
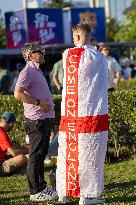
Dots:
pixel 107 9
pixel 97 3
pixel 94 3
pixel 24 4
pixel 25 18
pixel 91 3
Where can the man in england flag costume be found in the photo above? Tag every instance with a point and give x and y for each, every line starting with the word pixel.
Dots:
pixel 83 130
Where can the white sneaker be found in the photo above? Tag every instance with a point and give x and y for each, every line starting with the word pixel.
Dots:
pixel 63 200
pixel 52 193
pixel 41 196
pixel 47 160
pixel 89 201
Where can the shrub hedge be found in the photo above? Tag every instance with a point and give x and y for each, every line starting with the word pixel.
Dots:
pixel 122 120
pixel 127 84
pixel 10 104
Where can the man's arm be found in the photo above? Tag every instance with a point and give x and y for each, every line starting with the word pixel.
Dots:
pixel 117 75
pixel 20 94
pixel 117 70
pixel 23 97
pixel 16 151
pixel 56 81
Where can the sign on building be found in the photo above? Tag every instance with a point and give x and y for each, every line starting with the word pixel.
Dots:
pixel 15 29
pixel 95 17
pixel 52 25
pixel 45 26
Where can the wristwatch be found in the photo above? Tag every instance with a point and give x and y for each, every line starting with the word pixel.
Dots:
pixel 37 102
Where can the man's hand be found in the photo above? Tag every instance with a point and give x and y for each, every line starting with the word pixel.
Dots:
pixel 58 87
pixel 45 106
pixel 22 96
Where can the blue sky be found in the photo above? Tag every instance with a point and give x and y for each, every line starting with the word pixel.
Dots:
pixel 117 9
pixel 10 5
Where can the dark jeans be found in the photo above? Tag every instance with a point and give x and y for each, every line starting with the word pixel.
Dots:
pixel 111 89
pixel 39 133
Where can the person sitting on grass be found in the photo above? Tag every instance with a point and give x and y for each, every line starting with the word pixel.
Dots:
pixel 12 156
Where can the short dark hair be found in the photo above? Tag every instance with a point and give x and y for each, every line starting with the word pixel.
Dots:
pixel 103 46
pixel 83 27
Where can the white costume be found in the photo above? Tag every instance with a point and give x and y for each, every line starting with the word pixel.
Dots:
pixel 113 67
pixel 83 128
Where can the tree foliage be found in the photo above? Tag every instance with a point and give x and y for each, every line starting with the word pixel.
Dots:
pixel 127 31
pixel 134 2
pixel 2 33
pixel 112 27
pixel 59 4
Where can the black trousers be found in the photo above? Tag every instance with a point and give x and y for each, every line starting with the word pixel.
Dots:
pixel 39 133
pixel 111 89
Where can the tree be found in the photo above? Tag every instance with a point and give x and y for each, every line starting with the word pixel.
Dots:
pixel 134 2
pixel 112 27
pixel 58 4
pixel 127 31
pixel 2 33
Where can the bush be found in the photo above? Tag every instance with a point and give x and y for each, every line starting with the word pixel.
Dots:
pixel 122 118
pixel 10 104
pixel 129 84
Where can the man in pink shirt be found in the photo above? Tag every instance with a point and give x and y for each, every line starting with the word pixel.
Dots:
pixel 33 91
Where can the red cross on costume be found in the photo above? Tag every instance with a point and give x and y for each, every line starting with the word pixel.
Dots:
pixel 72 124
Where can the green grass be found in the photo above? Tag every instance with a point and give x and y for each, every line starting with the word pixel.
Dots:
pixel 120 186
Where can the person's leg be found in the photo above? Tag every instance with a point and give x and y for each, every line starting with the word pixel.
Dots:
pixel 46 131
pixel 38 134
pixel 38 149
pixel 11 165
pixel 111 89
pixel 20 160
pixel 22 149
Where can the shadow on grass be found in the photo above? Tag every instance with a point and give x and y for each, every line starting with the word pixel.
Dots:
pixel 117 193
pixel 25 198
pixel 124 187
pixel 1 203
pixel 9 199
pixel 122 199
pixel 8 192
pixel 121 185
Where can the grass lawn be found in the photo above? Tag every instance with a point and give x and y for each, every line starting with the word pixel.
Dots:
pixel 120 186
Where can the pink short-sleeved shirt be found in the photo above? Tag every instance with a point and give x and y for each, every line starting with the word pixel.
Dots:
pixel 33 81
